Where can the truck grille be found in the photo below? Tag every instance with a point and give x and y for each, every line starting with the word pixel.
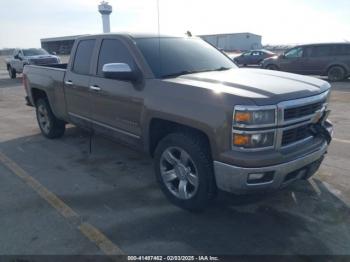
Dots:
pixel 295 134
pixel 45 61
pixel 297 112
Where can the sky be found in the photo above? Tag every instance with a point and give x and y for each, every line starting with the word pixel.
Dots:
pixel 24 23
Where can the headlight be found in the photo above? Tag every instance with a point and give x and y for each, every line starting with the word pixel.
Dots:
pixel 253 140
pixel 254 116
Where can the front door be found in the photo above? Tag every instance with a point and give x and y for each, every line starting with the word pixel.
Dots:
pixel 117 105
pixel 318 57
pixel 293 61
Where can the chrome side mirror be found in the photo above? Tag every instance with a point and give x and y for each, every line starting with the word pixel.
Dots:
pixel 120 71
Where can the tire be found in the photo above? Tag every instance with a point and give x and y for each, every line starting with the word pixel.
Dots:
pixel 12 72
pixel 50 126
pixel 336 73
pixel 195 176
pixel 272 67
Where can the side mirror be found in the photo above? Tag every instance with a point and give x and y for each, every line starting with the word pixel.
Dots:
pixel 54 53
pixel 16 57
pixel 282 56
pixel 120 71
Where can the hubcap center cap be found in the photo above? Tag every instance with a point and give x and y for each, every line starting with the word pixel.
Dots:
pixel 181 171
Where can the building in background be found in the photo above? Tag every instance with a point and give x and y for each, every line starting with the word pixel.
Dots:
pixel 6 51
pixel 60 45
pixel 234 41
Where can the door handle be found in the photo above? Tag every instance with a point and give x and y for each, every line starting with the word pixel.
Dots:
pixel 95 88
pixel 69 83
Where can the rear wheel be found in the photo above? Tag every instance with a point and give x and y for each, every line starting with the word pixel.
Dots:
pixel 272 67
pixel 12 72
pixel 184 170
pixel 336 73
pixel 50 126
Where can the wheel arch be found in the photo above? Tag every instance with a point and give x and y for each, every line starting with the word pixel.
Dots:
pixel 346 70
pixel 38 93
pixel 159 128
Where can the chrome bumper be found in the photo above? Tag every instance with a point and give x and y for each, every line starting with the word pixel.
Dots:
pixel 234 179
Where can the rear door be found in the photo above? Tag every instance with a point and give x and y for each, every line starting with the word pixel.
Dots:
pixel 117 104
pixel 77 80
pixel 256 57
pixel 318 57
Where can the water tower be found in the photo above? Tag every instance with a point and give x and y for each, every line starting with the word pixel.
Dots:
pixel 105 10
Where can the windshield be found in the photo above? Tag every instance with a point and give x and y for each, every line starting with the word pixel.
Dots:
pixel 34 51
pixel 176 56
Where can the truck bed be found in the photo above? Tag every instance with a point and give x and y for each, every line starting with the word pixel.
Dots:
pixel 48 78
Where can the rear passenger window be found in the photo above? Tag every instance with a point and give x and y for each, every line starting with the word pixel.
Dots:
pixel 113 51
pixel 340 50
pixel 83 57
pixel 319 51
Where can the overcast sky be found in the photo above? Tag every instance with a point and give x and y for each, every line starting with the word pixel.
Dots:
pixel 23 23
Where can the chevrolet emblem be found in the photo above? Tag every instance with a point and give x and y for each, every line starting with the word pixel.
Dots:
pixel 318 115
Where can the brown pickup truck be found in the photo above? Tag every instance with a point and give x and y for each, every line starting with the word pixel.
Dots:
pixel 208 124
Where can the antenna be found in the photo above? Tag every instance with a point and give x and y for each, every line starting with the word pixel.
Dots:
pixel 159 51
pixel 105 10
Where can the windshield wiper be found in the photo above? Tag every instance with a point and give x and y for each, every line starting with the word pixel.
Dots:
pixel 185 72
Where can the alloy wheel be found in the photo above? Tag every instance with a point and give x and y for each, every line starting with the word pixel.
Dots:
pixel 179 173
pixel 44 119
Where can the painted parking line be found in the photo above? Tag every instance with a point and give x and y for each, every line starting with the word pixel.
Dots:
pixel 341 140
pixel 88 230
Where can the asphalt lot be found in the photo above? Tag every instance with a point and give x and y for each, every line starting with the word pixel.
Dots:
pixel 113 189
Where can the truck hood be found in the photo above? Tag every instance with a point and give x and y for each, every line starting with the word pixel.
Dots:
pixel 264 87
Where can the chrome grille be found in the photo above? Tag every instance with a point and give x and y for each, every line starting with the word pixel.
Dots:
pixel 296 112
pixel 293 135
pixel 295 118
pixel 45 61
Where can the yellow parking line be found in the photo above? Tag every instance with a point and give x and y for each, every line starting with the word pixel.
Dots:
pixel 88 230
pixel 341 140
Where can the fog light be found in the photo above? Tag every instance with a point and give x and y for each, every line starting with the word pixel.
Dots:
pixel 255 176
pixel 259 178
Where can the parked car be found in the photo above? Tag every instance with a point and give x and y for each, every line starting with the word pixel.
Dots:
pixel 254 57
pixel 31 56
pixel 332 60
pixel 208 124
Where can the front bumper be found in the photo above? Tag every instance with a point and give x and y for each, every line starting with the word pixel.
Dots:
pixel 234 179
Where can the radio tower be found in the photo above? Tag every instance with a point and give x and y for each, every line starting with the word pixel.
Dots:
pixel 105 10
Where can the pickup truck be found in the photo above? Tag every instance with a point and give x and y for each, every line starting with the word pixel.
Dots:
pixel 30 56
pixel 208 124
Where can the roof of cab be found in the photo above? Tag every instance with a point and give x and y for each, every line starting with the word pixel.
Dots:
pixel 131 35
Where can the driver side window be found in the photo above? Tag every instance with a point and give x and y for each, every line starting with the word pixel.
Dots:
pixel 113 51
pixel 294 53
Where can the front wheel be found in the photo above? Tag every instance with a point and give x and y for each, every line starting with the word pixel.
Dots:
pixel 12 72
pixel 50 126
pixel 184 170
pixel 272 67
